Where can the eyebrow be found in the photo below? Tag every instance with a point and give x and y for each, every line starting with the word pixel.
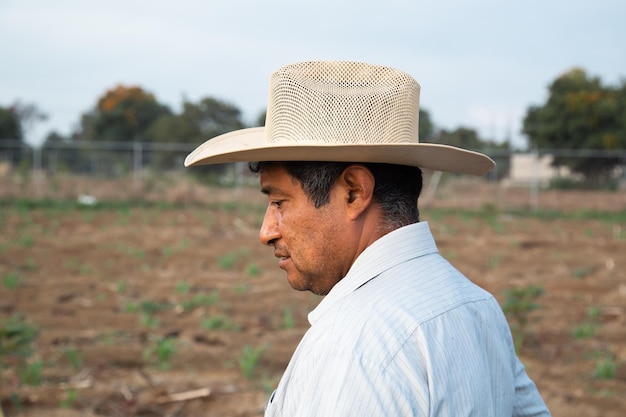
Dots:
pixel 268 189
pixel 271 189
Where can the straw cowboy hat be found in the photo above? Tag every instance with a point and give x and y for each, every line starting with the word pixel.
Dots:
pixel 340 111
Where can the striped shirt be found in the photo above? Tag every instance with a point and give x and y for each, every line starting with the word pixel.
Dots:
pixel 406 334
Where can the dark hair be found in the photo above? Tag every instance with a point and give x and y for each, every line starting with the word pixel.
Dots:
pixel 396 189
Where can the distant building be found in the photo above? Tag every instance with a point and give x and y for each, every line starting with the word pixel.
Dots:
pixel 532 169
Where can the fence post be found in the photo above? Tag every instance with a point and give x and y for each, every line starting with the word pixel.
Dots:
pixel 37 174
pixel 534 181
pixel 137 162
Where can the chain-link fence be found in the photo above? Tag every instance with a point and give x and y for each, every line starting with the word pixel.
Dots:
pixel 140 169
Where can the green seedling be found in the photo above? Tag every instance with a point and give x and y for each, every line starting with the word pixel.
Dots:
pixel 131 307
pixel 241 288
pixel 11 280
pixel 585 331
pixel 182 287
pixel 218 322
pixel 122 286
pixel 27 241
pixel 164 350
pixel 70 398
pixel 152 307
pixel 149 321
pixel 17 338
pixel 30 372
pixel 519 303
pixel 253 270
pixel 288 319
pixel 605 367
pixel 31 264
pixel 494 261
pixel 228 260
pixel 249 360
pixel 74 357
pixel 200 300
pixel 582 272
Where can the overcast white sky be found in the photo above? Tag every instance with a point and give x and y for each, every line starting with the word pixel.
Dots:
pixel 480 63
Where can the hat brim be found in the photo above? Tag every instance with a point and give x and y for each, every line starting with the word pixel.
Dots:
pixel 248 145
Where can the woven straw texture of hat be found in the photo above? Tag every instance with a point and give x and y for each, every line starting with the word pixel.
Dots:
pixel 342 103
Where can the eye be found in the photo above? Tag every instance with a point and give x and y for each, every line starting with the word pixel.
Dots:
pixel 276 203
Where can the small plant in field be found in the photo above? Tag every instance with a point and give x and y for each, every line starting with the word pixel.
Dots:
pixel 288 320
pixel 131 307
pixel 593 314
pixel 249 359
pixel 27 241
pixel 494 261
pixel 605 367
pixel 136 253
pixel 163 349
pixel 253 270
pixel 519 303
pixel 11 280
pixel 587 329
pixel 122 286
pixel 149 321
pixel 182 287
pixel 228 260
pixel 30 264
pixel 170 250
pixel 200 300
pixel 496 225
pixel 241 288
pixel 218 322
pixel 70 398
pixel 17 339
pixel 30 372
pixel 152 307
pixel 582 272
pixel 74 357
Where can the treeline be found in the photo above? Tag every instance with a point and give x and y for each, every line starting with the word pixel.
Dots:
pixel 580 113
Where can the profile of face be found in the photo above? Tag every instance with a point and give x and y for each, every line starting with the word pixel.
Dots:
pixel 315 246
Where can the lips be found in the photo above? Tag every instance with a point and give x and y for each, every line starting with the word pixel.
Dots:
pixel 282 256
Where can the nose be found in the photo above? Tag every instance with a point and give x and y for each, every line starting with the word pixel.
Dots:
pixel 269 232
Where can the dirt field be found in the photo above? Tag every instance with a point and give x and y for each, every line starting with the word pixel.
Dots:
pixel 136 303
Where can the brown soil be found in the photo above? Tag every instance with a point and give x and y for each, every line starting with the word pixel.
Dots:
pixel 103 286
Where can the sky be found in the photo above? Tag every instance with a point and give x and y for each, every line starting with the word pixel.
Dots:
pixel 480 63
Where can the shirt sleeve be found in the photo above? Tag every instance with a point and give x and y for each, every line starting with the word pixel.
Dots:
pixel 528 402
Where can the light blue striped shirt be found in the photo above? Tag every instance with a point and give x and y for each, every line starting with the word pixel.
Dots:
pixel 406 334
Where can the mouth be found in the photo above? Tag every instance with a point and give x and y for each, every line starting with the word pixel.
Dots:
pixel 282 259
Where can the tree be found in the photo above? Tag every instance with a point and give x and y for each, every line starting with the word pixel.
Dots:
pixel 10 126
pixel 16 121
pixel 580 113
pixel 59 155
pixel 123 113
pixel 426 125
pixel 197 122
pixel 467 138
pixel 461 137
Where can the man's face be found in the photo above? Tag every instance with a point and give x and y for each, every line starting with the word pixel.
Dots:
pixel 311 243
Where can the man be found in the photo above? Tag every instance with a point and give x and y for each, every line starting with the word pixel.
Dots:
pixel 400 332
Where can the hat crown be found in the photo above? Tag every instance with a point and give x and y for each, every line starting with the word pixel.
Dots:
pixel 342 102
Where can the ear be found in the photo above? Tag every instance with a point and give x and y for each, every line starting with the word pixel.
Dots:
pixel 358 186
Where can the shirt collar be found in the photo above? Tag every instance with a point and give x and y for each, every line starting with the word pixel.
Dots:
pixel 405 243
